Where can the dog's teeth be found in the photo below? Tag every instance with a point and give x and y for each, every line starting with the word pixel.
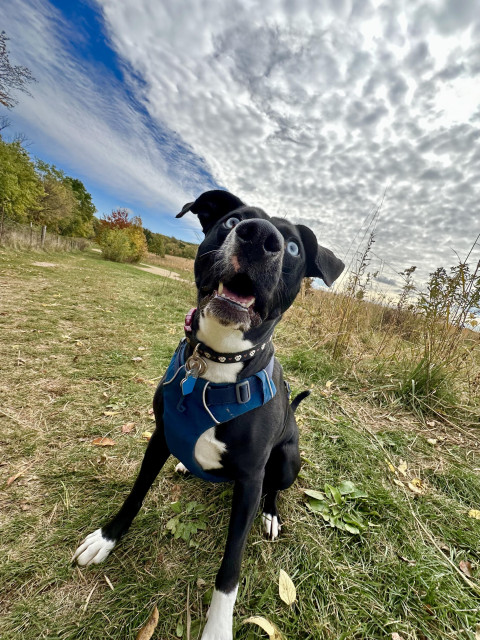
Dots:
pixel 220 288
pixel 249 304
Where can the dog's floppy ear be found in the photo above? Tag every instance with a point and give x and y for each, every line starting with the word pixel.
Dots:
pixel 321 263
pixel 211 206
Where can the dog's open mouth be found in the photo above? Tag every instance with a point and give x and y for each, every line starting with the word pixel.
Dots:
pixel 231 297
pixel 233 302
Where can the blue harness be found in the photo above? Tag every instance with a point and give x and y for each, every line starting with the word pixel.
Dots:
pixel 189 414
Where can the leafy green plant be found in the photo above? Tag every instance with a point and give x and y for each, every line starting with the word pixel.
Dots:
pixel 189 520
pixel 339 506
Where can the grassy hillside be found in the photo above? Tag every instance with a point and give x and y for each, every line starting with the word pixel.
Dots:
pixel 82 346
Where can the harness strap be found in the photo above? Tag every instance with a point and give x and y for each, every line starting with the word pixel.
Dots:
pixel 241 392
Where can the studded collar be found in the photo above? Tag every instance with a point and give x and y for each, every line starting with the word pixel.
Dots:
pixel 202 350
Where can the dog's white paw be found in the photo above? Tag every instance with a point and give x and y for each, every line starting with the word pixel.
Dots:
pixel 181 468
pixel 271 526
pixel 220 616
pixel 94 549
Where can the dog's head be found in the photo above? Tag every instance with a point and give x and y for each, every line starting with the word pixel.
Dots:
pixel 250 266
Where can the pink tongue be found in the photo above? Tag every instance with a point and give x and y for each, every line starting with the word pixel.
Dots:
pixel 235 297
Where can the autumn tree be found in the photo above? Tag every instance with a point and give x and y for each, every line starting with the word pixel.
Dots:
pixel 56 205
pixel 13 77
pixel 81 223
pixel 121 237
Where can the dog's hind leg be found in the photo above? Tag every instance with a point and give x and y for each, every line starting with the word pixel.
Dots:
pixel 97 546
pixel 280 473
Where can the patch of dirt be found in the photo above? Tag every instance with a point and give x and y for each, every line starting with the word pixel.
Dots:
pixel 162 272
pixel 44 264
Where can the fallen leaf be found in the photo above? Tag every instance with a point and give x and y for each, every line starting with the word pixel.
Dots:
pixel 141 348
pixel 466 568
pixel 399 482
pixel 103 442
pixel 396 636
pixel 128 427
pixel 147 631
pixel 432 440
pixel 402 467
pixel 137 359
pixel 328 384
pixel 431 423
pixel 412 562
pixel 474 513
pixel 147 435
pixel 390 466
pixel 111 413
pixel 477 632
pixel 266 625
pixel 286 588
pixel 416 486
pixel 391 419
pixel 12 479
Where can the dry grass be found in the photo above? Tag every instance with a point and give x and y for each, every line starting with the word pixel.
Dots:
pixel 16 236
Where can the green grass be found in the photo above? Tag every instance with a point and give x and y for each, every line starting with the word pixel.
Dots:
pixel 67 338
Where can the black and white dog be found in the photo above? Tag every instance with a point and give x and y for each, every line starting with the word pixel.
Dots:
pixel 248 271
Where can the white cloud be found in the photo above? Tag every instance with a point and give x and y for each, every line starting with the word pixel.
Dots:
pixel 312 111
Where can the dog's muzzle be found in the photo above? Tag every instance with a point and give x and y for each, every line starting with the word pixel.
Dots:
pixel 249 271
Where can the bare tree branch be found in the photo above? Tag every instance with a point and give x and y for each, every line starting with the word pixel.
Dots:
pixel 11 76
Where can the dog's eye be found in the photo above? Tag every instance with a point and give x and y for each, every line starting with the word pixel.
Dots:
pixel 231 222
pixel 293 248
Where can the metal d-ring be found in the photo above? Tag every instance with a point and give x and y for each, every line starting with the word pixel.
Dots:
pixel 196 364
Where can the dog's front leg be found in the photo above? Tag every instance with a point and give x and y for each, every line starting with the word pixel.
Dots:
pixel 97 546
pixel 245 503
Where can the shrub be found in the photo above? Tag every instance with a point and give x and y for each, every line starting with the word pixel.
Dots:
pixel 121 238
pixel 123 245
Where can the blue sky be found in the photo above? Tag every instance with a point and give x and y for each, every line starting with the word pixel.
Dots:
pixel 317 110
pixel 80 29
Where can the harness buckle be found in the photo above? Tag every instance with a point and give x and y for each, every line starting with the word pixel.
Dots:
pixel 242 392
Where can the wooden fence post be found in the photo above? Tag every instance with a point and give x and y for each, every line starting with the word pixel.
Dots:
pixel 42 237
pixel 2 222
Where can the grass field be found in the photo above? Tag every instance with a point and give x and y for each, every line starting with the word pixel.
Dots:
pixel 70 339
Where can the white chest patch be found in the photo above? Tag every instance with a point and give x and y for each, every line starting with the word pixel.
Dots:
pixel 208 450
pixel 224 340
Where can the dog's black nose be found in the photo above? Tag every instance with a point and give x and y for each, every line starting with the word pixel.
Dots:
pixel 261 235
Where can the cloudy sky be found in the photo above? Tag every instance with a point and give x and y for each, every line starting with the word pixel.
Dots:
pixel 323 111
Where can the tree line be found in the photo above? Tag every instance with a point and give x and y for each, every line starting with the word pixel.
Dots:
pixel 32 190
